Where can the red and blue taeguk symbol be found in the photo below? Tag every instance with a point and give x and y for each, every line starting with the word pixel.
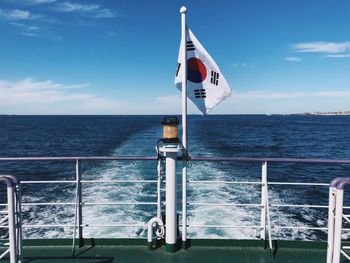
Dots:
pixel 196 70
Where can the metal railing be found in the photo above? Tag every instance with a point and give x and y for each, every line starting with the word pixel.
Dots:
pixel 335 220
pixel 265 227
pixel 11 219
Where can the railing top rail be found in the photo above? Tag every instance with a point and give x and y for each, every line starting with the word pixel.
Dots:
pixel 154 158
pixel 268 159
pixel 74 158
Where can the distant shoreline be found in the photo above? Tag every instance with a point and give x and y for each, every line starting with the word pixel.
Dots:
pixel 327 113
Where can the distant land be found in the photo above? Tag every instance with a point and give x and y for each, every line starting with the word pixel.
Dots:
pixel 326 113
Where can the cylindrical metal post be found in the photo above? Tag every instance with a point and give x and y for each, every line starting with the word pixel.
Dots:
pixel 183 10
pixel 338 225
pixel 263 201
pixel 184 204
pixel 79 203
pixel 170 199
pixel 184 76
pixel 331 213
pixel 11 223
pixel 170 152
pixel 159 205
pixel 19 233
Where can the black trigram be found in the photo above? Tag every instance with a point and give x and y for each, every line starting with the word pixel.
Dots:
pixel 200 93
pixel 190 46
pixel 178 68
pixel 214 78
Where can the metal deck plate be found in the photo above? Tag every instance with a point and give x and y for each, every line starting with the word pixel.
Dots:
pixel 200 251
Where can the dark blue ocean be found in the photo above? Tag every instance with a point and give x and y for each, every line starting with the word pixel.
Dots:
pixel 322 137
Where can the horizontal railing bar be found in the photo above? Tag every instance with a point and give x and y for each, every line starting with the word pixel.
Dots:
pixel 258 183
pixel 222 182
pixel 89 203
pixel 154 158
pixel 39 226
pixel 48 182
pixel 299 227
pixel 118 181
pixel 111 158
pixel 119 203
pixel 306 206
pixel 222 204
pixel 45 204
pixel 114 225
pixel 47 225
pixel 85 225
pixel 284 160
pixel 220 226
pixel 306 184
pixel 89 181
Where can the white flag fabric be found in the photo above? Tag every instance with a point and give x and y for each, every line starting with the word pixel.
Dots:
pixel 206 86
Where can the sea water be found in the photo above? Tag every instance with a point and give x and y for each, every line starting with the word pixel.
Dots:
pixel 296 136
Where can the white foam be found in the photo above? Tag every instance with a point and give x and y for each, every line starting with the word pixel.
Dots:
pixel 202 193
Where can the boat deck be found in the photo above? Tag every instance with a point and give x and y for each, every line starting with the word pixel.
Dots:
pixel 107 250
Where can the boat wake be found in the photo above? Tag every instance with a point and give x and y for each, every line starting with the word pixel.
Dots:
pixel 210 204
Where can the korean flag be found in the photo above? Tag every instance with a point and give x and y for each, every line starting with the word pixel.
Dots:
pixel 206 86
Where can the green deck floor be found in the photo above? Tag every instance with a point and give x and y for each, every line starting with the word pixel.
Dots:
pixel 201 251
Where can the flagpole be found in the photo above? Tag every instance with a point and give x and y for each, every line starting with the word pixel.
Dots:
pixel 184 76
pixel 184 122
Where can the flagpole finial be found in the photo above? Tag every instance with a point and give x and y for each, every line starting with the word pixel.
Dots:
pixel 183 9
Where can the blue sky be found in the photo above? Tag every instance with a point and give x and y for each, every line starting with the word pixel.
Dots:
pixel 119 57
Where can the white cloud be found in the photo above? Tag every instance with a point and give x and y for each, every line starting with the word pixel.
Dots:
pixel 244 65
pixel 91 10
pixel 322 47
pixel 294 59
pixel 346 55
pixel 38 2
pixel 17 14
pixel 47 97
pixel 262 101
pixel 35 31
pixel 31 24
pixel 28 96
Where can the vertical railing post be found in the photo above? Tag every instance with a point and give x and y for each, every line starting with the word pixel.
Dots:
pixel 263 200
pixel 79 202
pixel 11 223
pixel 265 207
pixel 19 233
pixel 159 203
pixel 338 225
pixel 331 217
pixel 184 204
pixel 13 218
